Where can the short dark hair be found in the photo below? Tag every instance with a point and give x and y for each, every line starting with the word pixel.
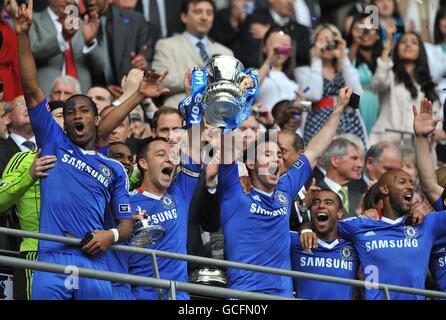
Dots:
pixel 298 142
pixel 81 96
pixel 164 110
pixel 144 144
pixel 338 198
pixel 120 143
pixel 263 138
pixel 186 3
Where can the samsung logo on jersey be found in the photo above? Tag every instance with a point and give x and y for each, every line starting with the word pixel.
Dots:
pixel 164 216
pixel 320 262
pixel 79 164
pixel 255 208
pixel 442 262
pixel 384 244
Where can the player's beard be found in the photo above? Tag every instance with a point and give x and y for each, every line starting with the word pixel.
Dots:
pixel 397 204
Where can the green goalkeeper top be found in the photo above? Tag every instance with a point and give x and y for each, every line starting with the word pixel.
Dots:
pixel 18 188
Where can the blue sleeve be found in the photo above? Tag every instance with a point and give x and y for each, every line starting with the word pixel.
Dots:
pixel 295 242
pixel 438 205
pixel 45 129
pixel 228 181
pixel 186 180
pixel 120 199
pixel 347 227
pixel 437 223
pixel 297 175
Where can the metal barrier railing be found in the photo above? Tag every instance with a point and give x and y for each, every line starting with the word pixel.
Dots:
pixel 229 264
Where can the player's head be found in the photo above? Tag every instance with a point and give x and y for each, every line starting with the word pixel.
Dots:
pixel 122 153
pixel 396 191
pixel 155 163
pixel 326 209
pixel 167 123
pixel 80 119
pixel 264 170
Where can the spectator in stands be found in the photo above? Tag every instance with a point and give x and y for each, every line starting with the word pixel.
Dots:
pixel 21 136
pixel 288 116
pixel 123 39
pixel 9 65
pixel 277 72
pixel 330 70
pixel 380 158
pixel 278 13
pixel 190 49
pixel 167 123
pixel 365 48
pixel 63 88
pixel 389 13
pixel 402 83
pixel 163 14
pixel 229 23
pixel 358 9
pixel 4 121
pixel 344 167
pixel 101 96
pixel 62 49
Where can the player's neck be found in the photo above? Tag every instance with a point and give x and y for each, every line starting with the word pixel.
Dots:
pixel 390 213
pixel 261 187
pixel 91 145
pixel 329 236
pixel 148 186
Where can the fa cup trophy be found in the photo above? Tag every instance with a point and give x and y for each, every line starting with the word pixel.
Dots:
pixel 223 91
pixel 145 233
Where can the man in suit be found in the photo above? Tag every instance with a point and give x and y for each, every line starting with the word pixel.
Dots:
pixel 279 13
pixel 344 166
pixel 165 15
pixel 124 40
pixel 380 158
pixel 60 48
pixel 4 121
pixel 192 48
pixel 63 88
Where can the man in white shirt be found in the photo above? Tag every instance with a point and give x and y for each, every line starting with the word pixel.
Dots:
pixel 192 48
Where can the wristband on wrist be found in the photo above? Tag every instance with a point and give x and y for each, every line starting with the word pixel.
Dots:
pixel 115 233
pixel 306 231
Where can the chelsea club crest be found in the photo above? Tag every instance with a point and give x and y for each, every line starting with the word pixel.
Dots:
pixel 281 197
pixel 167 201
pixel 346 252
pixel 106 172
pixel 410 232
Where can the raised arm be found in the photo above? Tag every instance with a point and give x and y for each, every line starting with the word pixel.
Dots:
pixel 22 17
pixel 424 124
pixel 324 137
pixel 149 87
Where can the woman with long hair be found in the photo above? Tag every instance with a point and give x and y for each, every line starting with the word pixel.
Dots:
pixel 330 70
pixel 389 13
pixel 365 48
pixel 277 70
pixel 401 83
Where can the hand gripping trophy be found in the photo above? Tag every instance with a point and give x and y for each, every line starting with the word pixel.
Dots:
pixel 145 233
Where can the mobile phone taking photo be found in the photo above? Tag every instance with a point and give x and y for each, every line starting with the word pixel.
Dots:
pixel 354 101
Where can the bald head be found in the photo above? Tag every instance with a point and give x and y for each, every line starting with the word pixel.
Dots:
pixel 396 191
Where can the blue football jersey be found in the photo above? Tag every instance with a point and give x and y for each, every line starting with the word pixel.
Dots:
pixel 170 211
pixel 337 259
pixel 393 253
pixel 80 187
pixel 437 263
pixel 256 227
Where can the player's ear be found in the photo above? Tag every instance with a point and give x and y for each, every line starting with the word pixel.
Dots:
pixel 383 189
pixel 143 164
pixel 340 213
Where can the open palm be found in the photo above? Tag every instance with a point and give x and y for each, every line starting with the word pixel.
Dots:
pixel 424 123
pixel 22 16
pixel 150 84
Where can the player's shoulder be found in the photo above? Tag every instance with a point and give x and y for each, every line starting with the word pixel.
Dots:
pixel 112 163
pixel 19 160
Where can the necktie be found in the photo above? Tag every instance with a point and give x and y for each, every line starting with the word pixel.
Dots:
pixel 345 203
pixel 29 144
pixel 154 14
pixel 70 67
pixel 203 54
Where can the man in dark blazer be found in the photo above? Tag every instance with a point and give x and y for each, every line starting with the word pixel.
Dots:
pixel 124 40
pixel 170 14
pixel 279 13
pixel 344 166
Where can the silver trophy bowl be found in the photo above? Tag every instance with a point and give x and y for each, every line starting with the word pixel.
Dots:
pixel 209 276
pixel 224 90
pixel 145 233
